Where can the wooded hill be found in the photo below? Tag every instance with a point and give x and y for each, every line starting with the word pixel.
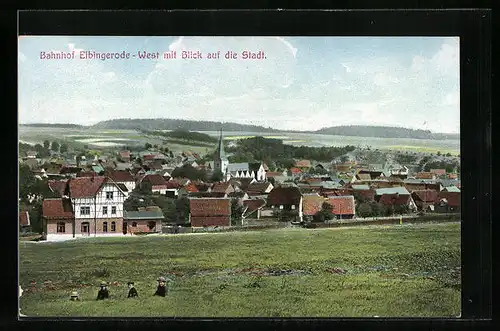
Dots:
pixel 176 124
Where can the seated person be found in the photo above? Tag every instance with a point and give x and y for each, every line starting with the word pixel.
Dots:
pixel 132 292
pixel 103 292
pixel 74 296
pixel 161 290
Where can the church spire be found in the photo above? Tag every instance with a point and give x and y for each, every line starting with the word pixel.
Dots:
pixel 220 149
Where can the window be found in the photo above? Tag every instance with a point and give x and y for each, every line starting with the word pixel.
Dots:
pixel 113 226
pixel 134 224
pixel 109 195
pixel 85 210
pixel 105 227
pixel 61 227
pixel 293 206
pixel 113 210
pixel 105 210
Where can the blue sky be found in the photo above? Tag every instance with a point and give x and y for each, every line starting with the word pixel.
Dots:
pixel 305 83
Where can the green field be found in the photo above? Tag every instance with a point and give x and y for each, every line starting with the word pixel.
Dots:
pixel 408 270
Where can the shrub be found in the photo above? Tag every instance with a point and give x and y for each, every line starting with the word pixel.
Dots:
pixel 102 272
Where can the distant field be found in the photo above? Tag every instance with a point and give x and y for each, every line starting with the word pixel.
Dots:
pixel 408 270
pixel 103 138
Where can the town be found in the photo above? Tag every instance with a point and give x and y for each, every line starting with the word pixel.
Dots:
pixel 240 184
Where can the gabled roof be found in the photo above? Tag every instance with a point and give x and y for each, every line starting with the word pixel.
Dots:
pixel 155 180
pixel 120 176
pixel 451 189
pixel 394 199
pixel 303 164
pixel 364 176
pixel 210 207
pixel 57 208
pixel 221 187
pixel 82 187
pixel 342 205
pixel 424 175
pixel 392 190
pixel 311 204
pixel 125 154
pixel 24 218
pixel 252 205
pixel 143 214
pixel 295 170
pixel 191 188
pixel 453 198
pixel 284 196
pixel 58 186
pixel 425 195
pixel 438 172
pixel 122 187
pixel 258 188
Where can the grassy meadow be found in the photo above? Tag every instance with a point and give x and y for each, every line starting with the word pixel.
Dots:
pixel 402 270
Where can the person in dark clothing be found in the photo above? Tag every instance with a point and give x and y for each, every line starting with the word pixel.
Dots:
pixel 103 292
pixel 161 290
pixel 132 292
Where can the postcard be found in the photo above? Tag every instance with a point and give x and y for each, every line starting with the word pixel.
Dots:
pixel 239 176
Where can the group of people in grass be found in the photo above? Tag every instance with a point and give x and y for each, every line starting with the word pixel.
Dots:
pixel 103 293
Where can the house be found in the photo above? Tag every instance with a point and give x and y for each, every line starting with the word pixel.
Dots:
pixel 157 182
pixel 208 212
pixel 258 170
pixel 239 170
pixel 303 165
pixel 98 169
pixel 364 191
pixel 242 183
pixel 253 208
pixel 58 186
pixel 31 154
pixel 395 196
pixel 257 189
pixel 294 171
pixel 451 189
pixel 311 205
pixel 421 184
pixel 121 166
pixel 285 198
pixel 363 177
pixel 448 202
pixel 122 177
pixel 344 206
pixel 147 219
pixel 222 187
pixel 58 217
pixel 424 199
pixel 32 163
pixel 187 190
pixel 24 221
pixel 124 156
pixel 70 171
pixel 438 172
pixel 400 171
pixel 425 175
pixel 207 195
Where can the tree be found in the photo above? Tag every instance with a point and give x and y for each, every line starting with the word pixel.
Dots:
pixel 182 209
pixel 148 146
pixel 217 176
pixel 236 212
pixel 325 214
pixel 171 154
pixel 401 209
pixel 364 210
pixel 55 146
pixel 46 144
pixel 26 181
pixel 41 151
pixel 63 148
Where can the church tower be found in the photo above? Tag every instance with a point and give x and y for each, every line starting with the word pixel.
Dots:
pixel 221 162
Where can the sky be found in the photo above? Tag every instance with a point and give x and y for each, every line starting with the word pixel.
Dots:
pixel 304 83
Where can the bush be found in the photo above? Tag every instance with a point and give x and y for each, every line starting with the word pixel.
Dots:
pixel 364 210
pixel 104 272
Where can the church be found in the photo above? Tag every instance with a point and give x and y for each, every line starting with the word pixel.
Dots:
pixel 236 170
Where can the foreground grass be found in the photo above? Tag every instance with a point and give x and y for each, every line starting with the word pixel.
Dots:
pixel 407 270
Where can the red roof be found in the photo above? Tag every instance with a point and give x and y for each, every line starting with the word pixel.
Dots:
pixel 209 207
pixel 221 187
pixel 257 188
pixel 155 180
pixel 120 176
pixel 273 174
pixel 284 196
pixel 82 187
pixel 85 174
pixel 424 175
pixel 425 195
pixel 303 164
pixel 438 172
pixel 191 188
pixel 342 205
pixel 125 154
pixel 24 218
pixel 58 186
pixel 173 184
pixel 57 208
pixel 252 205
pixel 149 157
pixel 453 198
pixel 394 199
pixel 311 204
pixel 295 170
